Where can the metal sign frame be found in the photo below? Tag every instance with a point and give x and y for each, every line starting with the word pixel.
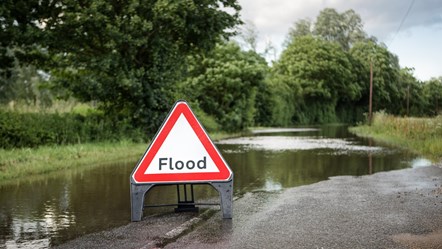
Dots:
pixel 138 190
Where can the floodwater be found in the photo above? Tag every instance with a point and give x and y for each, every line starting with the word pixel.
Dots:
pixel 49 210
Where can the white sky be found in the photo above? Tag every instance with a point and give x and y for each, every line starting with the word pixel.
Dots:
pixel 418 44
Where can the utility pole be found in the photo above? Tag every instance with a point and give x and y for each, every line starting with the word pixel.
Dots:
pixel 408 100
pixel 370 103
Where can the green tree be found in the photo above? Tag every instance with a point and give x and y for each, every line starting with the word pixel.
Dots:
pixel 125 54
pixel 322 72
pixel 433 93
pixel 302 27
pixel 283 100
pixel 224 85
pixel 415 101
pixel 388 90
pixel 345 28
pixel 21 31
pixel 248 36
pixel 25 85
pixel 21 53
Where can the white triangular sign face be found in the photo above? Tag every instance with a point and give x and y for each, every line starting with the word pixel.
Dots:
pixel 181 152
pixel 191 157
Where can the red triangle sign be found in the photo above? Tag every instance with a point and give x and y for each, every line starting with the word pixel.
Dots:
pixel 181 152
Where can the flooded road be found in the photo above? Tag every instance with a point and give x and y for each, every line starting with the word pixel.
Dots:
pixel 49 210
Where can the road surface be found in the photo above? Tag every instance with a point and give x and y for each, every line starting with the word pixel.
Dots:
pixel 397 209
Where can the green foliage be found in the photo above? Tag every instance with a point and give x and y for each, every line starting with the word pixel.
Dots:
pixel 21 32
pixel 224 85
pixel 414 102
pixel 19 130
pixel 209 122
pixel 124 54
pixel 134 58
pixel 314 66
pixel 321 68
pixel 284 98
pixel 433 93
pixel 345 29
pixel 350 112
pixel 322 72
pixel 334 84
pixel 422 135
pixel 265 104
pixel 300 28
pixel 25 84
pixel 388 94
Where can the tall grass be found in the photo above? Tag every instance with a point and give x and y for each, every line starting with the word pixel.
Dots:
pixel 421 135
pixel 57 106
pixel 24 162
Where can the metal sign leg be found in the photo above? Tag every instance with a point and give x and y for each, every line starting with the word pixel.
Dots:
pixel 137 200
pixel 225 190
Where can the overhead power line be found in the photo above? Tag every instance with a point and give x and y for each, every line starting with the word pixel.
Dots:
pixel 403 20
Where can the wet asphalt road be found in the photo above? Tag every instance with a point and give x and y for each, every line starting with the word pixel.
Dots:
pixel 397 209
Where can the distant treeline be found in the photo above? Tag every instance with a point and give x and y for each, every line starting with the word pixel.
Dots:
pixel 133 61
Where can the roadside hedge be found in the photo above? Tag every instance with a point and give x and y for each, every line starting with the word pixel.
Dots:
pixel 18 130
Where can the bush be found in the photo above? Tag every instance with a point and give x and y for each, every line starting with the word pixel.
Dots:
pixel 18 130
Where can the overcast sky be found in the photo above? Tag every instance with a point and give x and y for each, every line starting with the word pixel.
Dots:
pixel 418 43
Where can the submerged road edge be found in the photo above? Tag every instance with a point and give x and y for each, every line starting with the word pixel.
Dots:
pixel 386 209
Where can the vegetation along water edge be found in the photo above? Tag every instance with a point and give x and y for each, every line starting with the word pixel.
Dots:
pixel 24 162
pixel 420 135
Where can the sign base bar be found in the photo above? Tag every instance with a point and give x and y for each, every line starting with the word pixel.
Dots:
pixel 138 192
pixel 186 208
pixel 184 204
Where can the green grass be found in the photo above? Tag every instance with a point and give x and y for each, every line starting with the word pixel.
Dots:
pixel 58 106
pixel 420 135
pixel 17 163
pixel 26 162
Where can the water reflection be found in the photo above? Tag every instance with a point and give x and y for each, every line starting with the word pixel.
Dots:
pixel 281 143
pixel 270 186
pixel 420 162
pixel 49 210
pixel 283 130
pixel 63 206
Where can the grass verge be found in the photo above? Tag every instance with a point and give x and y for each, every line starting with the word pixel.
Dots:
pixel 18 163
pixel 420 135
pixel 26 162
